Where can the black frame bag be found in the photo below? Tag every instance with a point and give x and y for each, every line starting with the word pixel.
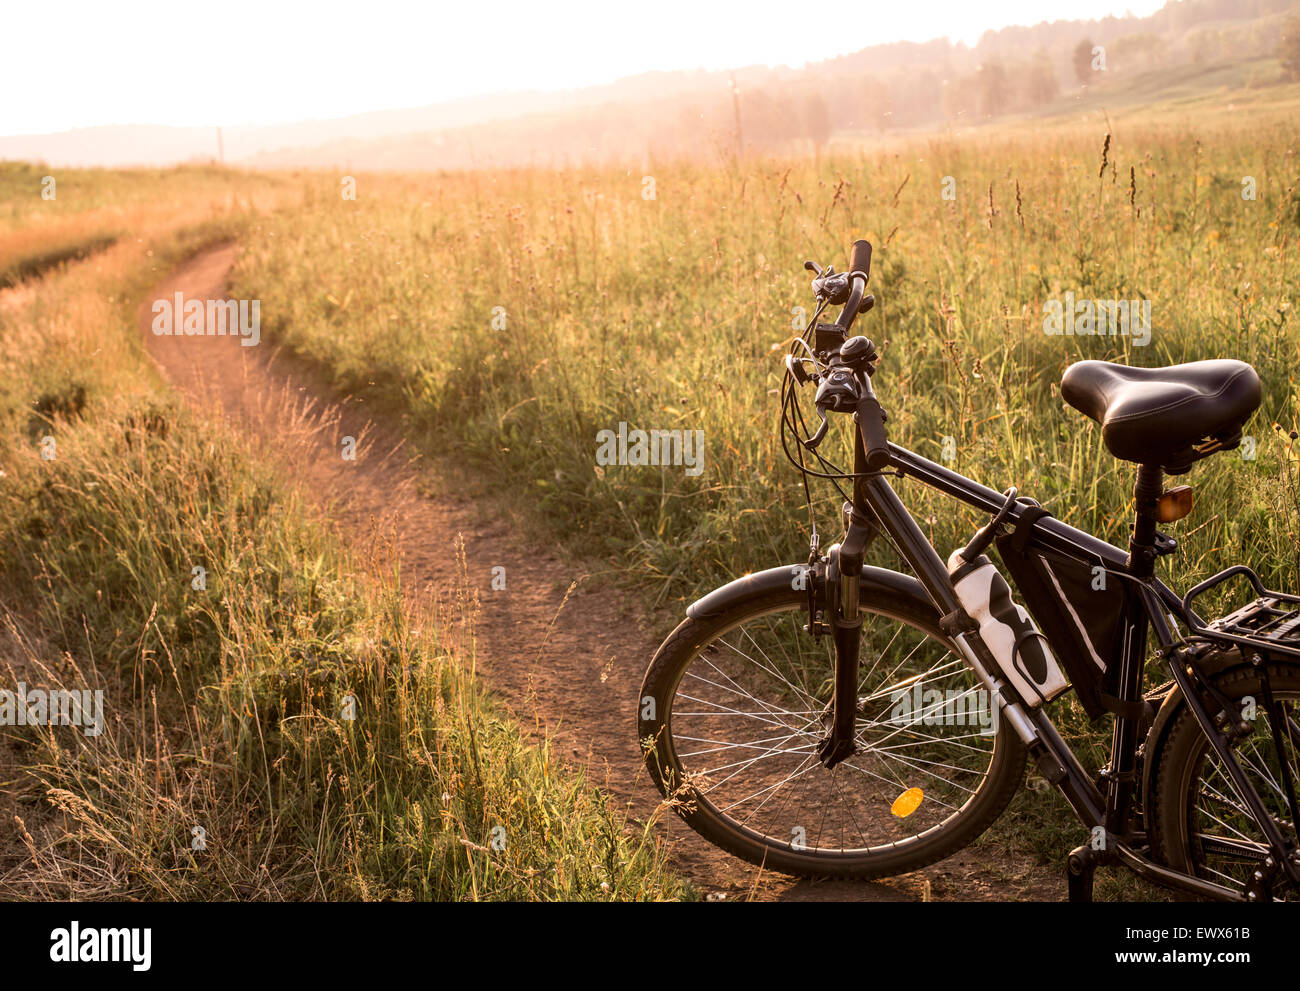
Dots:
pixel 1079 611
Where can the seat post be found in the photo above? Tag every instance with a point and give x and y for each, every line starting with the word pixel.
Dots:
pixel 1146 494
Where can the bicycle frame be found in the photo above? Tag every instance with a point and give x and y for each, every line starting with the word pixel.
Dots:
pixel 1150 605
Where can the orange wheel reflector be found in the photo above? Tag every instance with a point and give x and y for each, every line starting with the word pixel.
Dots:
pixel 907 803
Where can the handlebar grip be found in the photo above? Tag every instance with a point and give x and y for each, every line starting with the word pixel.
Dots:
pixel 871 421
pixel 860 258
pixel 852 306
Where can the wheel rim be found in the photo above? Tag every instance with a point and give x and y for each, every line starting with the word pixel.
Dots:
pixel 752 703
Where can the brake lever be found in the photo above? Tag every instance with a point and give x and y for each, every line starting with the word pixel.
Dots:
pixel 820 434
pixel 839 391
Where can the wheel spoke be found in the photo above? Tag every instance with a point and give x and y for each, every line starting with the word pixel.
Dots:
pixel 746 729
pixel 1224 840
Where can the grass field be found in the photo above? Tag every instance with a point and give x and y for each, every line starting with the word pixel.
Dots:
pixel 672 313
pixel 288 712
pixel 1213 91
pixel 509 317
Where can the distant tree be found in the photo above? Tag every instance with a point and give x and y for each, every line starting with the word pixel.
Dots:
pixel 877 103
pixel 1041 85
pixel 1083 61
pixel 918 99
pixel 1205 46
pixel 992 89
pixel 1137 52
pixel 957 98
pixel 1288 49
pixel 768 119
pixel 816 120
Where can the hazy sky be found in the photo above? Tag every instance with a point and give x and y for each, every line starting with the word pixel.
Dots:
pixel 79 63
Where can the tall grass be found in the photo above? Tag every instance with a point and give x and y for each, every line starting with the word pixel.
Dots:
pixel 510 316
pixel 50 216
pixel 670 313
pixel 283 728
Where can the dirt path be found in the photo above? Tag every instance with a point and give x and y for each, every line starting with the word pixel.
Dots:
pixel 573 665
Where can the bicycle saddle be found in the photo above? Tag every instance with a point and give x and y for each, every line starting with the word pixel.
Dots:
pixel 1165 416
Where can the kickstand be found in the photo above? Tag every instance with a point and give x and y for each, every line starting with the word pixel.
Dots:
pixel 1080 867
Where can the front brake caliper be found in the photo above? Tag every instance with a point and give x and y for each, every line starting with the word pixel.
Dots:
pixel 816 578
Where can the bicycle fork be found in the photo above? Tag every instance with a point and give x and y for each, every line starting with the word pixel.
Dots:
pixel 876 507
pixel 843 577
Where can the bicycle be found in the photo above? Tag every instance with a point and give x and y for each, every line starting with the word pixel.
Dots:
pixel 833 719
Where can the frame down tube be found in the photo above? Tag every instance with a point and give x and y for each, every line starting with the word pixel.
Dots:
pixel 1055 760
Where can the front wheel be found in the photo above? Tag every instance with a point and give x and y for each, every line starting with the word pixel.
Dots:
pixel 734 706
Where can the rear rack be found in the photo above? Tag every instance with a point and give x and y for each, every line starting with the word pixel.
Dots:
pixel 1270 623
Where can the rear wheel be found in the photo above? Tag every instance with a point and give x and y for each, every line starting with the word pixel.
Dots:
pixel 1200 824
pixel 733 708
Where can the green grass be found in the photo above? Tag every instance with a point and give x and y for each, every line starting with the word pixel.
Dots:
pixel 673 313
pixel 26 200
pixel 1217 88
pixel 292 708
pixel 49 217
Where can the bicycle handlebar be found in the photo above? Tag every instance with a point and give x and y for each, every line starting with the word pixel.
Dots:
pixel 859 272
pixel 869 414
pixel 858 282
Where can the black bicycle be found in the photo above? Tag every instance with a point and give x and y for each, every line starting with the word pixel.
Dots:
pixel 834 719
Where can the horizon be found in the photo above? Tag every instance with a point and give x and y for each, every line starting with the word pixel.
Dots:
pixel 585 48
